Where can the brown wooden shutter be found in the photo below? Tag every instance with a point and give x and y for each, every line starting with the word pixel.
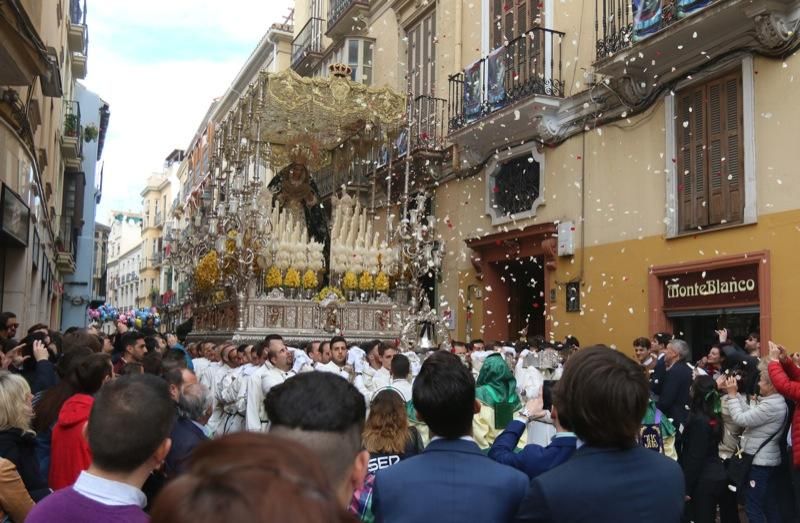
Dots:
pixel 690 135
pixel 726 197
pixel 716 151
pixel 733 177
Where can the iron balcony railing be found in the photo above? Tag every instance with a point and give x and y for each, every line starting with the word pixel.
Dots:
pixel 72 119
pixel 428 123
pixel 619 24
pixel 308 40
pixel 67 241
pixel 529 65
pixel 339 7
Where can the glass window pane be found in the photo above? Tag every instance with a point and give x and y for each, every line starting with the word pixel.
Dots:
pixel 367 53
pixel 367 75
pixel 352 52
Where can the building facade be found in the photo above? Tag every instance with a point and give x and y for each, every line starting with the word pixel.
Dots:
pixel 100 276
pixel 124 260
pixel 44 50
pixel 82 193
pixel 592 173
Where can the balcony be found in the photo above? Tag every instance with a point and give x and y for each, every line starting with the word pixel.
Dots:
pixel 66 247
pixel 429 125
pixel 71 143
pixel 672 39
pixel 76 28
pixel 78 65
pixel 346 17
pixel 307 47
pixel 513 89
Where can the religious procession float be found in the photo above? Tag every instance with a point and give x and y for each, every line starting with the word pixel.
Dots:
pixel 265 253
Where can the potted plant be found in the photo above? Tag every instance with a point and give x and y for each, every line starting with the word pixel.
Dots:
pixel 71 125
pixel 90 133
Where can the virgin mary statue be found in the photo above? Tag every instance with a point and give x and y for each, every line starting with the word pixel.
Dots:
pixel 297 193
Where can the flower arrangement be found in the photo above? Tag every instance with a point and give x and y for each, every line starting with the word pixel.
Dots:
pixel 327 291
pixel 365 282
pixel 310 280
pixel 206 273
pixel 273 278
pixel 292 278
pixel 382 282
pixel 350 281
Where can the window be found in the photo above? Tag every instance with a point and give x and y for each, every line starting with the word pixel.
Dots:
pixel 355 52
pixel 511 18
pixel 514 186
pixel 709 140
pixel 422 56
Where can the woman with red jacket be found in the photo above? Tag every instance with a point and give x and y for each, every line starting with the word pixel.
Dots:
pixel 785 376
pixel 70 452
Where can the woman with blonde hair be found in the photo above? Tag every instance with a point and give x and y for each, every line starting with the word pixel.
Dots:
pixel 389 439
pixel 17 439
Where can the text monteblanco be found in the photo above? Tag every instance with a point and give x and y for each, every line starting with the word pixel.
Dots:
pixel 710 288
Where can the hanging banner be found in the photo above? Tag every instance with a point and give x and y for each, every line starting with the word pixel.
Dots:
pixel 473 88
pixel 687 7
pixel 647 18
pixel 496 63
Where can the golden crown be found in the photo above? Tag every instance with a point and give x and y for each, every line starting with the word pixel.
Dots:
pixel 340 70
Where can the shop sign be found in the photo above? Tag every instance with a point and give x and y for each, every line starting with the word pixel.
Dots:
pixel 726 287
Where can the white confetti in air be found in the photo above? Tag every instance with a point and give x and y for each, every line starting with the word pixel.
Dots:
pixel 516 114
pixel 630 309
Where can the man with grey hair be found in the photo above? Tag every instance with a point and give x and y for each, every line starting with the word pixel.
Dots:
pixel 676 383
pixel 194 409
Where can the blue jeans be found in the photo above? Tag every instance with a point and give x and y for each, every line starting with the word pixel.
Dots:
pixel 761 503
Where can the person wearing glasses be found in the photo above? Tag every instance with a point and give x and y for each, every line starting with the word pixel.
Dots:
pixel 8 326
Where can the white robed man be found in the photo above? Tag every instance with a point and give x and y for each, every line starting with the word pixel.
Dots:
pixel 275 370
pixel 376 375
pixel 209 378
pixel 226 391
pixel 338 364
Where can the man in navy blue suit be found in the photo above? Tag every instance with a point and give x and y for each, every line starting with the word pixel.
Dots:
pixel 533 459
pixel 602 397
pixel 452 480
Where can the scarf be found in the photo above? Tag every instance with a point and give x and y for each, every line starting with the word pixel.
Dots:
pixel 496 384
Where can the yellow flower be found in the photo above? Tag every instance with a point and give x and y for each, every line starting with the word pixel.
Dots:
pixel 381 282
pixel 206 272
pixel 350 281
pixel 321 295
pixel 365 283
pixel 292 278
pixel 310 280
pixel 274 278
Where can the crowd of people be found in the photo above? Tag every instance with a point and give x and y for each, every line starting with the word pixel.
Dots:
pixel 141 426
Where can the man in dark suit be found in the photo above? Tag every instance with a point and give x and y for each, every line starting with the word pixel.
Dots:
pixel 676 382
pixel 194 409
pixel 602 398
pixel 658 348
pixel 452 480
pixel 533 459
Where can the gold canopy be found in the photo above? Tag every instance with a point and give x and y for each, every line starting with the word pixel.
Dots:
pixel 290 114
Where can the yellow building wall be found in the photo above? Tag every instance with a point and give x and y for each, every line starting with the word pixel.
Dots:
pixel 625 184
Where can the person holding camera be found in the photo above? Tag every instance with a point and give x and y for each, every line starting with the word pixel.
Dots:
pixel 785 376
pixel 763 425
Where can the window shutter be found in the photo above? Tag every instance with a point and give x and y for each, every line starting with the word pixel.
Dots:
pixel 733 173
pixel 691 173
pixel 700 167
pixel 717 147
